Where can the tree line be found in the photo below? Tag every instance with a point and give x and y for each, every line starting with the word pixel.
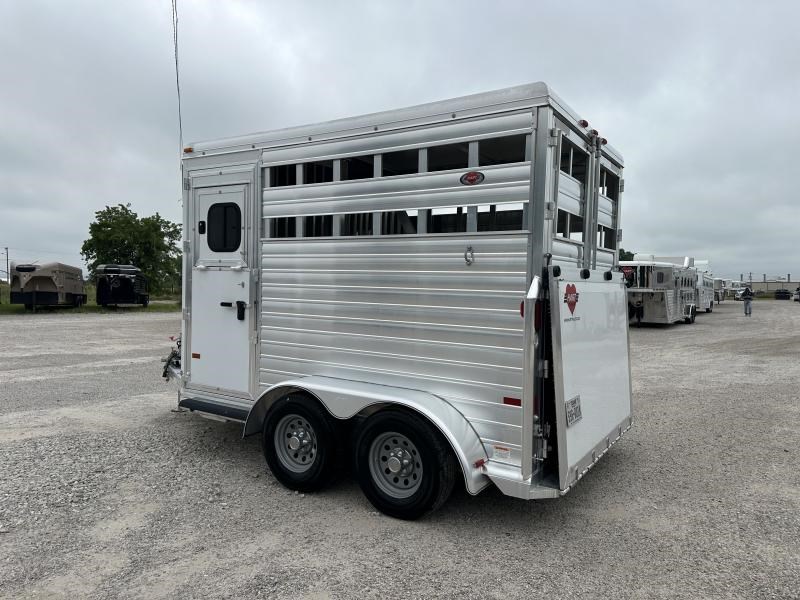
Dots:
pixel 119 236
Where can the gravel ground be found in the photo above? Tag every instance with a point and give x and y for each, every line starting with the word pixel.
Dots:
pixel 105 492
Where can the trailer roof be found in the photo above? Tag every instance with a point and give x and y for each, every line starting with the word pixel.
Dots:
pixel 44 267
pixel 647 263
pixel 485 103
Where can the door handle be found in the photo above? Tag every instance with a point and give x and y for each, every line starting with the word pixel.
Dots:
pixel 240 306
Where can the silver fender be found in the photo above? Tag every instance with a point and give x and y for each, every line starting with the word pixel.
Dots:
pixel 344 399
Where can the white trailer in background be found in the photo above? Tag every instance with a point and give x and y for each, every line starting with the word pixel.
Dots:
pixel 431 291
pixel 659 291
pixel 719 290
pixel 704 290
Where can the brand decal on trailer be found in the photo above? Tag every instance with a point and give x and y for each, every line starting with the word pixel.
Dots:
pixel 571 296
pixel 472 178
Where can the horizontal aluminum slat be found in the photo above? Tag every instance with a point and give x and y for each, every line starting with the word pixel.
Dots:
pixel 358 329
pixel 380 142
pixel 426 190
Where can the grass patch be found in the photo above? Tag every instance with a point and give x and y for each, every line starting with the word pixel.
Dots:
pixel 160 307
pixel 164 303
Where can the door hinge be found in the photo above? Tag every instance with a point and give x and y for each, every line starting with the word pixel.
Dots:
pixel 544 369
pixel 186 183
pixel 553 139
pixel 621 185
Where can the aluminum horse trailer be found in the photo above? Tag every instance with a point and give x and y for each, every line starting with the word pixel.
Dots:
pixel 430 290
pixel 48 284
pixel 704 286
pixel 659 292
pixel 719 290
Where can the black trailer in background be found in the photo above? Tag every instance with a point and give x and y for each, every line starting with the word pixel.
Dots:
pixel 121 284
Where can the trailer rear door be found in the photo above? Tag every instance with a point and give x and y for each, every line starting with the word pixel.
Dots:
pixel 591 368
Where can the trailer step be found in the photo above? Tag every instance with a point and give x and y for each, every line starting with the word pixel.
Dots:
pixel 213 408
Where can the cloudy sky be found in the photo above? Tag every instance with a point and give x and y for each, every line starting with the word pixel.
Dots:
pixel 701 98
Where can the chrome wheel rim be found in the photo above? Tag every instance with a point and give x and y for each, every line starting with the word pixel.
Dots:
pixel 395 465
pixel 295 443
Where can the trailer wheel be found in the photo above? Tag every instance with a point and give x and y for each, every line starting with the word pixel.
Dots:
pixel 300 445
pixel 403 465
pixel 694 314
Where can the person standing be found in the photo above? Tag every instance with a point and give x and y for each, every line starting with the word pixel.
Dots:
pixel 747 297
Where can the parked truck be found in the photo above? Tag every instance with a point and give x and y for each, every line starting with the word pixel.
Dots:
pixel 430 292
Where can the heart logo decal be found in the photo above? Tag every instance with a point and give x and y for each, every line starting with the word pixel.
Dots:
pixel 571 297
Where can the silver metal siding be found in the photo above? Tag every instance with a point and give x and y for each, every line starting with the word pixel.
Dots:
pixel 404 312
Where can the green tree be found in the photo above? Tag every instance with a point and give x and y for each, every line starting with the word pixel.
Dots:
pixel 119 236
pixel 625 255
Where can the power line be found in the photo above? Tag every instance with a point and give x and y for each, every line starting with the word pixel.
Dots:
pixel 177 76
pixel 28 250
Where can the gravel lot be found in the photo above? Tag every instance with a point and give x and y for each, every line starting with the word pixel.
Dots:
pixel 104 492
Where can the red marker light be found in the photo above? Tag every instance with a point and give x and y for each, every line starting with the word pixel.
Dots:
pixel 594 132
pixel 583 123
pixel 512 401
pixel 604 141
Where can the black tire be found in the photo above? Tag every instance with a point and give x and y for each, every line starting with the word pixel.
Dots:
pixel 437 466
pixel 710 309
pixel 145 301
pixel 317 429
pixel 694 314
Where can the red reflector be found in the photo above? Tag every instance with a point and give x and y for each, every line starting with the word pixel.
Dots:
pixel 522 309
pixel 479 463
pixel 195 355
pixel 512 401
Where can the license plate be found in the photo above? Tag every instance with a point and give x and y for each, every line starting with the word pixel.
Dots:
pixel 574 411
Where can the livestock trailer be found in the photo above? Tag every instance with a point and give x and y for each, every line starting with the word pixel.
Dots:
pixel 659 292
pixel 431 291
pixel 719 290
pixel 704 286
pixel 121 284
pixel 47 284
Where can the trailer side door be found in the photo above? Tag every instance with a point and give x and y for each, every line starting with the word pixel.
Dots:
pixel 221 325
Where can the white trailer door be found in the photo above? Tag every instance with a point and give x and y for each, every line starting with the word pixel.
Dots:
pixel 221 310
pixel 591 368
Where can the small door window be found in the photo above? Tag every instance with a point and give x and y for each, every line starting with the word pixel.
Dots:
pixel 224 227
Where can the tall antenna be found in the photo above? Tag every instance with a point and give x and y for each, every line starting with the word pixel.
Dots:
pixel 177 76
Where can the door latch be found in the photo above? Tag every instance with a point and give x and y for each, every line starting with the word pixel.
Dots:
pixel 240 306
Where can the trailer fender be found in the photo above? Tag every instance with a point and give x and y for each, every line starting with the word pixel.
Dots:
pixel 345 399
